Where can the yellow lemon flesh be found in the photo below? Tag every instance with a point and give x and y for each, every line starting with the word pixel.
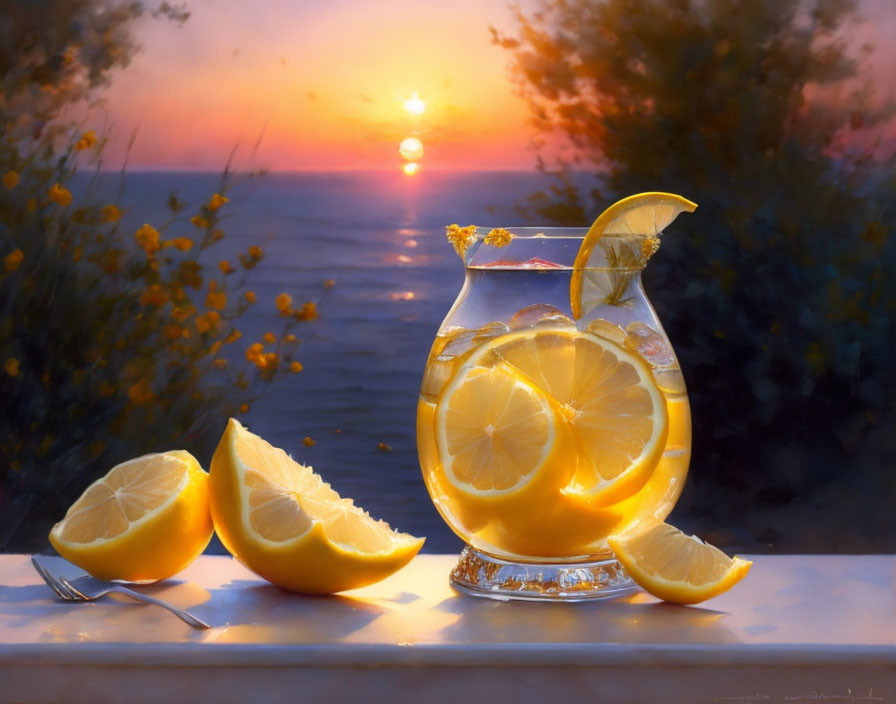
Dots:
pixel 282 521
pixel 496 432
pixel 534 438
pixel 677 567
pixel 606 397
pixel 146 520
pixel 637 215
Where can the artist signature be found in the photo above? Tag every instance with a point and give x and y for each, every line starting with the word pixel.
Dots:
pixel 811 696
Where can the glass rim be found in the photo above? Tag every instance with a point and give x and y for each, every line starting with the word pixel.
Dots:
pixel 552 232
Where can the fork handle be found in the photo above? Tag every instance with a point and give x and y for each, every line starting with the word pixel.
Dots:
pixel 182 615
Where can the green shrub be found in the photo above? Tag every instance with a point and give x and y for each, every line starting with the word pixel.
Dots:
pixel 776 292
pixel 112 341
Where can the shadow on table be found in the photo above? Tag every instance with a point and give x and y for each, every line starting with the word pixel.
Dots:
pixel 628 619
pixel 254 611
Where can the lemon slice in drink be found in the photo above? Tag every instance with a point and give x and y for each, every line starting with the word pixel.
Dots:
pixel 286 524
pixel 605 395
pixel 146 520
pixel 677 567
pixel 641 214
pixel 495 433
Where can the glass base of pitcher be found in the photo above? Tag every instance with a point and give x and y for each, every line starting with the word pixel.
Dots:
pixel 479 574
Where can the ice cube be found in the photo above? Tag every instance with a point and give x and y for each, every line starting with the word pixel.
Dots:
pixel 540 315
pixel 607 330
pixel 649 344
pixel 457 341
pixel 490 331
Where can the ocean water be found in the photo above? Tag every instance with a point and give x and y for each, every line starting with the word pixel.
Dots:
pixel 381 237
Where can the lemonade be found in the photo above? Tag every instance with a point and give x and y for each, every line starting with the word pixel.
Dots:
pixel 553 419
pixel 597 432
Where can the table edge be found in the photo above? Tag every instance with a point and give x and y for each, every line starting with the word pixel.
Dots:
pixel 488 655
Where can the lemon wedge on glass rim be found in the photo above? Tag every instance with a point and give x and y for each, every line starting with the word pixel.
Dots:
pixel 676 567
pixel 282 521
pixel 638 215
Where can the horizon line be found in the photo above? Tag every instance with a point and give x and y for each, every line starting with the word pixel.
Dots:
pixel 263 171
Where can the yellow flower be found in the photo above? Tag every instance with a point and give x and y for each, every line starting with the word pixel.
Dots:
pixel 308 442
pixel 217 235
pixel 207 322
pixel 140 393
pixel 213 350
pixel 225 267
pixel 233 336
pixel 199 221
pixel 87 140
pixel 155 295
pixel 148 238
pixel 244 408
pixel 250 296
pixel 383 447
pixel 461 237
pixel 216 201
pixel 180 314
pixel 329 283
pixel 184 244
pixel 283 302
pixel 649 246
pixel 255 251
pixel 173 332
pixel 12 260
pixel 110 213
pixel 254 351
pixel 10 180
pixel 216 298
pixel 12 366
pixel 499 237
pixel 269 337
pixel 289 338
pixel 308 311
pixel 60 194
pixel 220 364
pixel 295 367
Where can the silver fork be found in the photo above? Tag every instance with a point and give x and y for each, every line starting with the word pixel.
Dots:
pixel 89 589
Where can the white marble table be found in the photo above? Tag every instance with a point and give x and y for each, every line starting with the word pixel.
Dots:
pixel 798 629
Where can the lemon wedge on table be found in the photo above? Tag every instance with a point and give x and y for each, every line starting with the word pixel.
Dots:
pixel 641 214
pixel 146 520
pixel 578 410
pixel 282 521
pixel 677 567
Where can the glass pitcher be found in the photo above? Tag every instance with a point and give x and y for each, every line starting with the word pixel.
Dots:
pixel 540 434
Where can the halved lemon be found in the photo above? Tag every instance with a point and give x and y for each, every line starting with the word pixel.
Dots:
pixel 283 522
pixel 606 396
pixel 146 520
pixel 677 567
pixel 641 214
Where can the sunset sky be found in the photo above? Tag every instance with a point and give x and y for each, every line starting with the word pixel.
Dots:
pixel 325 83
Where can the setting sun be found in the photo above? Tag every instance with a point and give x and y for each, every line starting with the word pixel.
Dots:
pixel 414 105
pixel 411 148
